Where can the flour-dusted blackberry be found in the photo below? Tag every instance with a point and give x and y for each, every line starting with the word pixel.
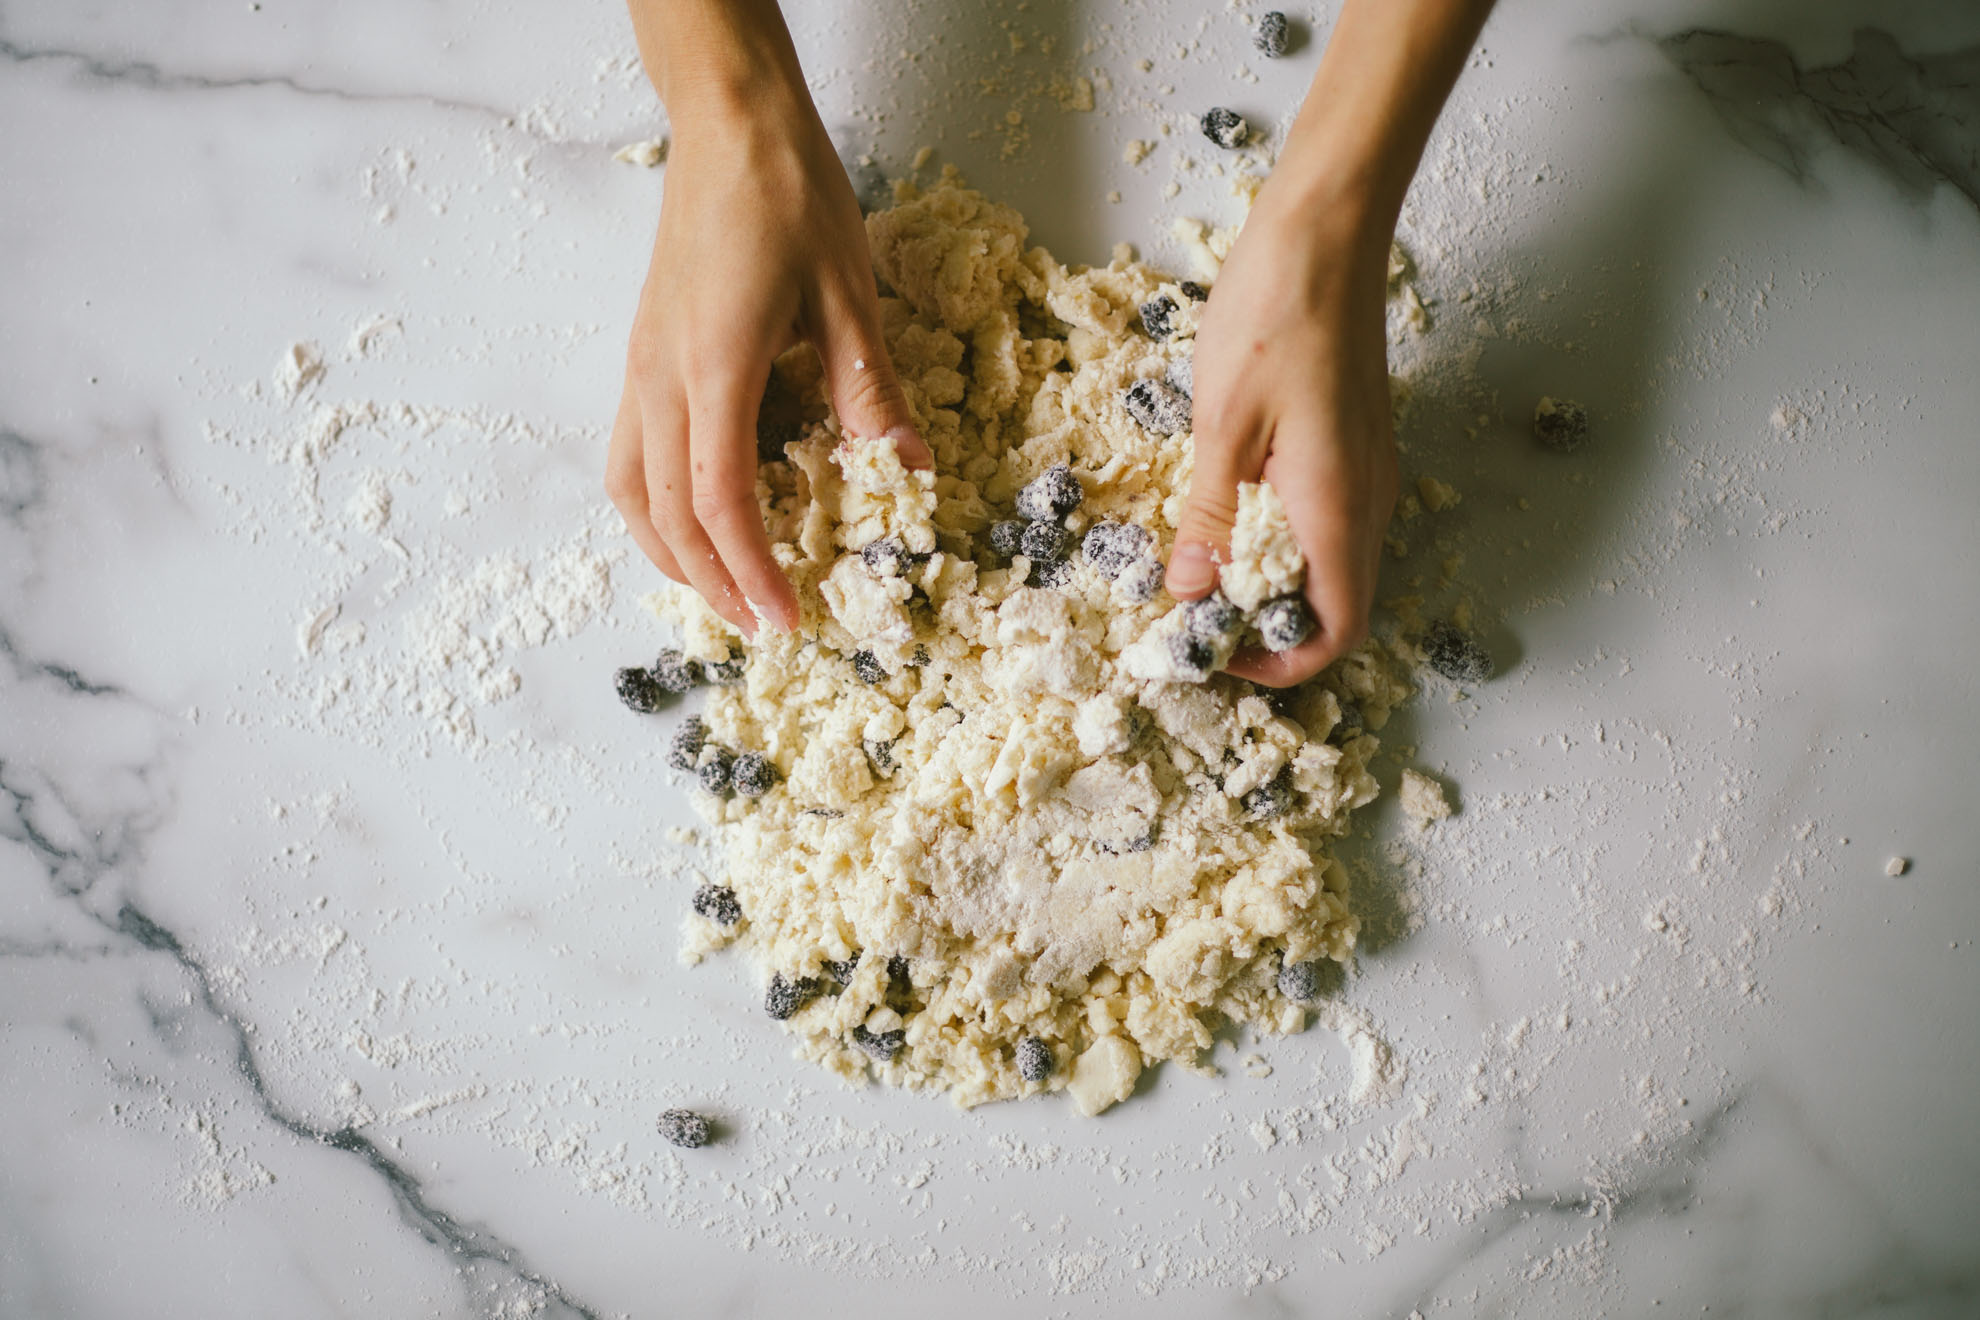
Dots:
pixel 722 673
pixel 880 754
pixel 785 996
pixel 713 771
pixel 1157 406
pixel 638 690
pixel 1560 424
pixel 673 671
pixel 1005 536
pixel 1272 800
pixel 684 750
pixel 1273 35
pixel 1045 543
pixel 752 774
pixel 886 557
pixel 1192 655
pixel 1226 128
pixel 867 665
pixel 1034 1059
pixel 1158 316
pixel 1139 581
pixel 1284 622
pixel 842 970
pixel 1300 981
pixel 719 904
pixel 1454 655
pixel 1050 495
pixel 1112 546
pixel 684 1128
pixel 879 1046
pixel 1193 291
pixel 1213 618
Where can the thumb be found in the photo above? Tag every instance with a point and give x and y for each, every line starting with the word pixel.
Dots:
pixel 860 377
pixel 1203 541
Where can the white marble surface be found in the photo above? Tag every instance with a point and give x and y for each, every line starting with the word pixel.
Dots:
pixel 318 1009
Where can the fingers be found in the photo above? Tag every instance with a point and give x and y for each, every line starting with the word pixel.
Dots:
pixel 625 485
pixel 722 459
pixel 670 498
pixel 1203 541
pixel 860 376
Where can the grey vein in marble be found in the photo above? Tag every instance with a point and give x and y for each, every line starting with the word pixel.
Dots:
pixel 1914 118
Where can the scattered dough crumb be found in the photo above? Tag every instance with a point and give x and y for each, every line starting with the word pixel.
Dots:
pixel 1897 866
pixel 1423 798
pixel 648 153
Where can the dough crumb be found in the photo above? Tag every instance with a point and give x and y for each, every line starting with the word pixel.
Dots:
pixel 1897 866
pixel 1423 799
pixel 649 153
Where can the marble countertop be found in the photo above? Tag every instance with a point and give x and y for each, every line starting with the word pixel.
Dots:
pixel 338 897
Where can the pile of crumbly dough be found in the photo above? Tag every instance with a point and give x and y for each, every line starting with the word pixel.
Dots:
pixel 1013 830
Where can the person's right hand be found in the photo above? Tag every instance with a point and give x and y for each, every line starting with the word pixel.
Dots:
pixel 761 245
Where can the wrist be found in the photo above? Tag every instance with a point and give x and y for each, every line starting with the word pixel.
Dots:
pixel 718 60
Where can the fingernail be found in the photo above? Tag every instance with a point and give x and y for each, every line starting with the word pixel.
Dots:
pixel 913 450
pixel 1190 569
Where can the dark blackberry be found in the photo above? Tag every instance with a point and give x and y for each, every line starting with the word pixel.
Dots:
pixel 899 983
pixel 785 997
pixel 1213 618
pixel 1193 291
pixel 1139 581
pixel 867 665
pixel 638 690
pixel 1272 35
pixel 1272 800
pixel 673 671
pixel 719 904
pixel 920 658
pixel 1005 536
pixel 684 1128
pixel 886 557
pixel 685 749
pixel 1560 424
pixel 1300 981
pixel 1157 316
pixel 1454 655
pixel 1224 127
pixel 1157 406
pixel 753 774
pixel 1111 546
pixel 880 754
pixel 1050 495
pixel 714 769
pixel 1045 543
pixel 1284 622
pixel 880 1046
pixel 1034 1059
pixel 842 970
pixel 1191 654
pixel 721 673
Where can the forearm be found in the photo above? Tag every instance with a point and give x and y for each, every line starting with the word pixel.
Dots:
pixel 717 57
pixel 1388 68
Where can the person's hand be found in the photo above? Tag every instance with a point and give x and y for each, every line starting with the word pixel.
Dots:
pixel 761 244
pixel 1291 384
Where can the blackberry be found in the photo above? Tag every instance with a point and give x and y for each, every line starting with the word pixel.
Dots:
pixel 899 984
pixel 638 690
pixel 842 970
pixel 1454 655
pixel 785 996
pixel 1034 1059
pixel 1111 546
pixel 1045 543
pixel 721 673
pixel 880 1046
pixel 714 769
pixel 685 749
pixel 1560 424
pixel 753 774
pixel 1157 406
pixel 1005 536
pixel 1193 291
pixel 867 665
pixel 1284 622
pixel 684 1128
pixel 673 671
pixel 1051 495
pixel 920 659
pixel 1270 801
pixel 1181 377
pixel 719 904
pixel 1213 618
pixel 1224 127
pixel 1300 981
pixel 880 754
pixel 1157 317
pixel 886 557
pixel 1191 654
pixel 1272 35
pixel 1139 581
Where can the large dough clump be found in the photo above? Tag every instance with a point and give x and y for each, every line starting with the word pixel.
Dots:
pixel 983 826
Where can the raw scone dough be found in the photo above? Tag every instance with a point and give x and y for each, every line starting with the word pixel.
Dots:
pixel 1011 833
